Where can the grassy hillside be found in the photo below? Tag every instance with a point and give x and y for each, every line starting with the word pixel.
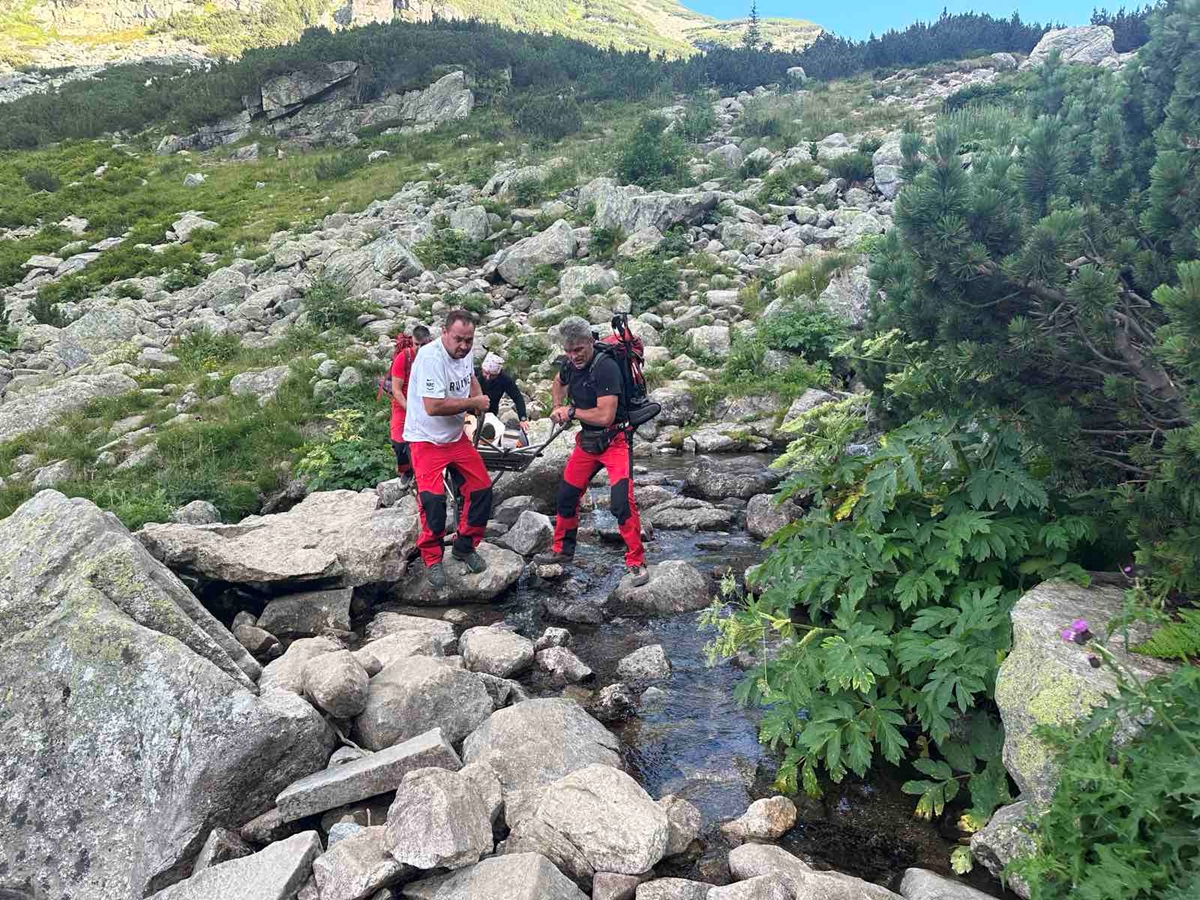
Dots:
pixel 660 26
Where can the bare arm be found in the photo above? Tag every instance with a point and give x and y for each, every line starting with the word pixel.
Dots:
pixel 558 392
pixel 603 415
pixel 398 393
pixel 452 406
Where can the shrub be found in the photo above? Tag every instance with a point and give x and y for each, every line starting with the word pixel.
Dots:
pixel 328 305
pixel 524 353
pixel 649 281
pixel 46 312
pixel 451 248
pixel 203 351
pixel 754 168
pixel 652 157
pixel 8 337
pixel 780 187
pixel 697 122
pixel 42 180
pixel 605 241
pixel 856 166
pixel 869 145
pixel 892 599
pixel 548 118
pixel 805 329
pixel 130 291
pixel 527 191
pixel 338 166
pixel 346 460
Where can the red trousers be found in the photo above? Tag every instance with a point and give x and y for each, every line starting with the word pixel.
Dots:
pixel 469 475
pixel 581 468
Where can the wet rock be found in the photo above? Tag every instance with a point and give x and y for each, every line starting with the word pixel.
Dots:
pixel 644 665
pixel 275 873
pixel 563 665
pixel 675 586
pixel 513 876
pixel 602 817
pixel 357 866
pixel 764 887
pixel 712 479
pixel 308 613
pixel 332 535
pixel 337 684
pixel 531 533
pixel 921 884
pixel 615 703
pixel 768 819
pixel 552 637
pixel 96 639
pixel 221 846
pixel 1008 836
pixel 414 695
pixel 389 623
pixel 438 820
pixel 287 672
pixel 198 512
pixel 536 742
pixel 672 889
pixel 754 860
pixel 1046 681
pixel 713 867
pixel 368 776
pixel 503 571
pixel 684 821
pixel 496 651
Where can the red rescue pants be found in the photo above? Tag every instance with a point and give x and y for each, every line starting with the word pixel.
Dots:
pixel 581 468
pixel 469 475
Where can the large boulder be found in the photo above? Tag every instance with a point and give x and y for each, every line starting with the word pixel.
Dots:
pixel 275 873
pixel 334 536
pixel 496 651
pixel 130 727
pixel 446 99
pixel 677 402
pixel 307 613
pixel 438 820
pixel 536 742
pixel 631 209
pixel 551 247
pixel 1089 45
pixel 462 586
pixel 1046 681
pixel 740 478
pixel 756 860
pixel 764 516
pixel 108 325
pixel 675 586
pixel 514 876
pixel 688 513
pixel 360 269
pixel 34 409
pixel 287 672
pixel 848 295
pixel 596 278
pixel 416 694
pixel 596 819
pixel 284 94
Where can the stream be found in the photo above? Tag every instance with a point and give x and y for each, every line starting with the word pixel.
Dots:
pixel 689 737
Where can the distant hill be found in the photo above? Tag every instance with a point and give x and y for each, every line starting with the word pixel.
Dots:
pixel 46 32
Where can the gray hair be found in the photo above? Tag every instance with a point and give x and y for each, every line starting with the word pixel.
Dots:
pixel 574 330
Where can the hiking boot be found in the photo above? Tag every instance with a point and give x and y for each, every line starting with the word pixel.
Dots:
pixel 553 559
pixel 638 575
pixel 437 575
pixel 471 560
pixel 406 480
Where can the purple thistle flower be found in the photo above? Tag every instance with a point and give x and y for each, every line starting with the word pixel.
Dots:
pixel 1077 632
pixel 1079 625
pixel 1068 635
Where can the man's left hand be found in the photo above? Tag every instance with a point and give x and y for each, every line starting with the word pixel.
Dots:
pixel 560 415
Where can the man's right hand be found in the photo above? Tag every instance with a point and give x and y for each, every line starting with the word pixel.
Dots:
pixel 478 404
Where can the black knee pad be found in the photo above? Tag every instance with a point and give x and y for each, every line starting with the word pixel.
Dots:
pixel 568 499
pixel 480 509
pixel 621 507
pixel 434 507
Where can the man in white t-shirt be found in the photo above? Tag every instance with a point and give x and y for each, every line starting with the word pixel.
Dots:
pixel 442 389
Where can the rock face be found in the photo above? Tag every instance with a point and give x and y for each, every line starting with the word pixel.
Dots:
pixel 496 651
pixel 129 732
pixel 338 536
pixel 1046 681
pixel 536 742
pixel 675 586
pixel 552 247
pixel 514 876
pixel 741 478
pixel 806 883
pixel 597 819
pixel 284 94
pixel 275 873
pixel 438 820
pixel 414 695
pixel 1089 45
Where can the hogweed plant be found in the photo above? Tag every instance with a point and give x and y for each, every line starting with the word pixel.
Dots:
pixel 888 602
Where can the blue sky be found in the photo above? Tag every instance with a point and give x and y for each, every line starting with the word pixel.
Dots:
pixel 858 18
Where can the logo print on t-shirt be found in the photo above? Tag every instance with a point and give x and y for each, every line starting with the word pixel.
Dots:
pixel 430 385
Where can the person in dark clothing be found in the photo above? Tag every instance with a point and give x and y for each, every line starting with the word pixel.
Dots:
pixel 497 383
pixel 590 389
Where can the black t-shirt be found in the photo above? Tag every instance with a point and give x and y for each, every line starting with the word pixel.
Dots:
pixel 495 388
pixel 600 379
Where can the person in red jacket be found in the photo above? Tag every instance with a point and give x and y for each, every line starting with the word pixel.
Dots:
pixel 402 362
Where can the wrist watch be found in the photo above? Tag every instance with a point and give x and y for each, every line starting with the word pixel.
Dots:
pixel 570 412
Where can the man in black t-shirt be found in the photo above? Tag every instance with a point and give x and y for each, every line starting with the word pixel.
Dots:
pixel 590 389
pixel 496 383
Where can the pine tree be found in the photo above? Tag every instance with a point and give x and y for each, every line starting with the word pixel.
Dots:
pixel 753 37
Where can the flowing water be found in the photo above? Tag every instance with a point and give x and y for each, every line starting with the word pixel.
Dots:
pixel 690 738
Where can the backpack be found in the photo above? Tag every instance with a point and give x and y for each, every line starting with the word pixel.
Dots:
pixel 629 353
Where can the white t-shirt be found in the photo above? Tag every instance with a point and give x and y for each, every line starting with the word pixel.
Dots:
pixel 435 374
